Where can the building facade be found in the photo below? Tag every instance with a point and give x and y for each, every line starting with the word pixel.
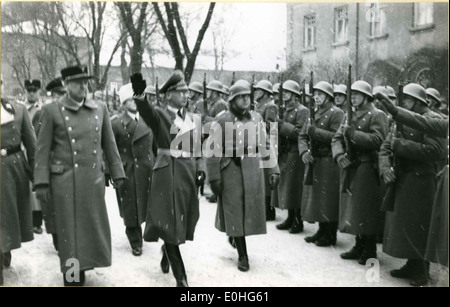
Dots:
pixel 385 42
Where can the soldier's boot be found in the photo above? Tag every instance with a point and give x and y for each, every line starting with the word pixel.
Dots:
pixel 165 267
pixel 288 222
pixel 406 271
pixel 422 274
pixel 319 233
pixel 241 247
pixel 7 258
pixel 79 283
pixel 177 265
pixel 213 198
pixel 297 225
pixel 270 211
pixel 232 242
pixel 356 250
pixel 202 189
pixel 329 236
pixel 370 249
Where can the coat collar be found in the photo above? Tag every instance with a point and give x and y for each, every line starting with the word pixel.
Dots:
pixel 125 118
pixel 141 130
pixel 369 107
pixel 323 110
pixel 71 105
pixel 295 105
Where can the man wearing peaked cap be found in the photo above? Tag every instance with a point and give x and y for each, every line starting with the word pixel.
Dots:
pixel 33 105
pixel 56 88
pixel 74 137
pixel 173 208
pixel 135 143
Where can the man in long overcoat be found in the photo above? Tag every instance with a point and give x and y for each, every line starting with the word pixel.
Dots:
pixel 74 133
pixel 135 141
pixel 173 208
pixel 407 225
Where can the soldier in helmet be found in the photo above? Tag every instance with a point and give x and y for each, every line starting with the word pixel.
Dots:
pixel 173 208
pixel 340 96
pixel 276 93
pixel 378 104
pixel 216 104
pixel 407 226
pixel 291 165
pixel 391 94
pixel 195 102
pixel 239 179
pixel 321 199
pixel 269 113
pixel 226 92
pixel 355 148
pixel 434 100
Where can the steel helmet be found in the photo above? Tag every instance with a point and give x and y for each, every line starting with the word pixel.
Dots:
pixel 362 87
pixel 291 86
pixel 240 87
pixel 391 92
pixel 416 91
pixel 380 89
pixel 196 87
pixel 226 90
pixel 275 88
pixel 215 85
pixel 265 86
pixel 150 89
pixel 340 89
pixel 432 92
pixel 325 87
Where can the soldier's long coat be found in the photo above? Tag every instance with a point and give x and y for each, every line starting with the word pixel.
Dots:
pixel 321 199
pixel 16 174
pixel 241 207
pixel 359 210
pixel 69 158
pixel 134 142
pixel 269 114
pixel 291 165
pixel 173 208
pixel 406 229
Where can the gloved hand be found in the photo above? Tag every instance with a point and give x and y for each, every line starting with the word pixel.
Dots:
pixel 138 84
pixel 274 180
pixel 349 131
pixel 117 183
pixel 107 180
pixel 216 187
pixel 307 158
pixel 200 178
pixel 43 193
pixel 388 103
pixel 389 176
pixel 343 161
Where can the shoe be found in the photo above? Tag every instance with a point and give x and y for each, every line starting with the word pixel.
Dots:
pixel 182 283
pixel 165 266
pixel 405 271
pixel 270 214
pixel 75 283
pixel 212 198
pixel 7 257
pixel 297 226
pixel 356 251
pixel 419 281
pixel 243 265
pixel 231 241
pixel 286 224
pixel 137 251
pixel 37 230
pixel 366 255
pixel 326 240
pixel 320 232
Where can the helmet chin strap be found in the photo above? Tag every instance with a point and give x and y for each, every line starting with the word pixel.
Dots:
pixel 239 112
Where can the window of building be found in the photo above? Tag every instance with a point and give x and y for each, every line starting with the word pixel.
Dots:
pixel 377 20
pixel 423 14
pixel 309 31
pixel 341 24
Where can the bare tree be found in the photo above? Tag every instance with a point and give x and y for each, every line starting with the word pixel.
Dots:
pixel 174 32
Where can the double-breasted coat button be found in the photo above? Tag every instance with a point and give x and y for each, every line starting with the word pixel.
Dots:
pixel 62 108
pixel 76 165
pixel 96 116
pixel 73 140
pixel 96 128
pixel 75 153
pixel 67 117
pixel 70 128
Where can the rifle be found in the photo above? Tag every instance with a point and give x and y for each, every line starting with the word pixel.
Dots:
pixel 308 178
pixel 252 94
pixel 280 96
pixel 158 103
pixel 205 103
pixel 348 146
pixel 389 198
pixel 232 79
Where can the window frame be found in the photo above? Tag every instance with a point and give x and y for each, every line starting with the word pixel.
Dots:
pixel 307 27
pixel 337 18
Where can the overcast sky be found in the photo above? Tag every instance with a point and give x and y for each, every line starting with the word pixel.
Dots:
pixel 259 38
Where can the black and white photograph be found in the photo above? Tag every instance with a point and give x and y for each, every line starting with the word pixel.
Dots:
pixel 246 145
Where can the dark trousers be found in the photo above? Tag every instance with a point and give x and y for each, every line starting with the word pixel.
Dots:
pixel 37 219
pixel 176 262
pixel 134 235
pixel 55 240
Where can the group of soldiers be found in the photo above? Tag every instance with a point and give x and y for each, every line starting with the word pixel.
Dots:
pixel 350 158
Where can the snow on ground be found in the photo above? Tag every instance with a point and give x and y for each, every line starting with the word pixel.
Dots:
pixel 277 259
